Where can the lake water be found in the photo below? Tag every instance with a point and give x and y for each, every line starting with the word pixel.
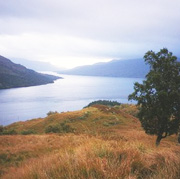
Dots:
pixel 68 94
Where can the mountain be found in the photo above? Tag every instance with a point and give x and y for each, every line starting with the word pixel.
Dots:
pixel 133 68
pixel 36 65
pixel 14 75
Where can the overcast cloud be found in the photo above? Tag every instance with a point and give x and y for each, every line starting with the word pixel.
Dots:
pixel 77 32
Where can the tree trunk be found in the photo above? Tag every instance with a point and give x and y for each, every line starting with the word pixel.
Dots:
pixel 179 135
pixel 179 138
pixel 158 140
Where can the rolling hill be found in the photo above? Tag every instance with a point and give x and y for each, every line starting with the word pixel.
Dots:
pixel 96 142
pixel 14 75
pixel 134 68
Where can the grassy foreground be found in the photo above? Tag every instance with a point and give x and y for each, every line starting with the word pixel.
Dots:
pixel 103 143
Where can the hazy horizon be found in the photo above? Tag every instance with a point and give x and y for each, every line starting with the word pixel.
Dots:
pixel 75 33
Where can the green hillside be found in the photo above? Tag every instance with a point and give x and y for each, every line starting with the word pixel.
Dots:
pixel 94 120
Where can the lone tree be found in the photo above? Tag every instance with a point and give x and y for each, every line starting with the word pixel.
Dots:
pixel 158 96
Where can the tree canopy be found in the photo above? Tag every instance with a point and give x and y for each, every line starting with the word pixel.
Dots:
pixel 103 102
pixel 158 96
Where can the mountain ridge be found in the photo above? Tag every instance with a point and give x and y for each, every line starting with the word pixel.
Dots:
pixel 36 65
pixel 130 68
pixel 15 75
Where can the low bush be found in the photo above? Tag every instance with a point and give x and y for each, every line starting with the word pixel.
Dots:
pixel 53 129
pixel 1 129
pixel 27 132
pixel 59 128
pixel 51 112
pixel 8 132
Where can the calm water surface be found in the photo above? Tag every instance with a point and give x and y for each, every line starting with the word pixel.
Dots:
pixel 68 94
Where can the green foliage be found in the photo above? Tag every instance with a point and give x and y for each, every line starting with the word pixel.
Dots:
pixel 51 112
pixel 27 132
pixel 159 95
pixel 53 129
pixel 66 128
pixel 59 128
pixel 103 102
pixel 8 132
pixel 1 129
pixel 5 131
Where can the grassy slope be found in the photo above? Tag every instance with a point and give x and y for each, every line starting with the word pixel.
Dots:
pixel 106 143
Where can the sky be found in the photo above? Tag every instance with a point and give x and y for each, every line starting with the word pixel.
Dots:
pixel 69 33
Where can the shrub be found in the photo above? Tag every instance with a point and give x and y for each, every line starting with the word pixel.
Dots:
pixel 103 102
pixel 53 129
pixel 9 132
pixel 27 132
pixel 59 128
pixel 66 128
pixel 51 112
pixel 1 129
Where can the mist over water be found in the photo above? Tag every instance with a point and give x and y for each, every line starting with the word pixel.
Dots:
pixel 68 94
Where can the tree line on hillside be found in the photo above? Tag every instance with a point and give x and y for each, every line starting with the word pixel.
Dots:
pixel 103 102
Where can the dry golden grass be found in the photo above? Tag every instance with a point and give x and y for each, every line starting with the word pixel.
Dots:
pixel 15 150
pixel 99 149
pixel 82 156
pixel 93 120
